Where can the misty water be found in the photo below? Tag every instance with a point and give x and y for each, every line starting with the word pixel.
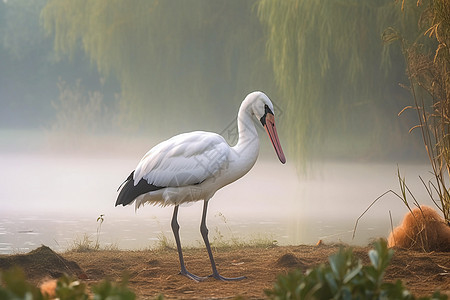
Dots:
pixel 55 197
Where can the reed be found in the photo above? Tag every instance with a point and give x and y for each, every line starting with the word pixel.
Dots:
pixel 428 66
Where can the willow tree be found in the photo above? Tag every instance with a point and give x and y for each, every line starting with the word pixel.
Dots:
pixel 184 57
pixel 338 80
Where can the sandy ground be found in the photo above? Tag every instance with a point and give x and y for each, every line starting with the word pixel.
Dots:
pixel 154 272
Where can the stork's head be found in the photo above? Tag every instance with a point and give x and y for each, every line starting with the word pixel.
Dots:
pixel 262 109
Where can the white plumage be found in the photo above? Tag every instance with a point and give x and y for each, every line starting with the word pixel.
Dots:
pixel 183 162
pixel 193 157
pixel 193 166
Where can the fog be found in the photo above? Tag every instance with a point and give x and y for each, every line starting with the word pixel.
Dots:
pixel 55 198
pixel 78 115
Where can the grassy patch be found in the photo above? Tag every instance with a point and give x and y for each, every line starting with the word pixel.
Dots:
pixel 87 244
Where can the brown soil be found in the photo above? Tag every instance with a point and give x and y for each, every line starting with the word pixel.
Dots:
pixel 156 272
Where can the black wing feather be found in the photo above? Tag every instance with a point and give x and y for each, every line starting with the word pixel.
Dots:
pixel 130 192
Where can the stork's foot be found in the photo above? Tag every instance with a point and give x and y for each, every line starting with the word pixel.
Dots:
pixel 192 276
pixel 220 277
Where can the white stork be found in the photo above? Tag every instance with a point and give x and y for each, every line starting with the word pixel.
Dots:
pixel 193 166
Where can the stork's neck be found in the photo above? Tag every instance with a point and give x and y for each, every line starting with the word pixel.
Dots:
pixel 247 147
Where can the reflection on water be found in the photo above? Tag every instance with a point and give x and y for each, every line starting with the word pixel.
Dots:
pixel 56 199
pixel 24 234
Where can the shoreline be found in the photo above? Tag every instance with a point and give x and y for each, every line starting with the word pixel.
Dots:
pixel 154 272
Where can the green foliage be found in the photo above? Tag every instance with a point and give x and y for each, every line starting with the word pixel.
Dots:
pixel 164 242
pixel 83 244
pixel 109 290
pixel 335 81
pixel 100 219
pixel 344 277
pixel 86 244
pixel 336 77
pixel 21 34
pixel 70 289
pixel 15 287
pixel 172 57
pixel 29 68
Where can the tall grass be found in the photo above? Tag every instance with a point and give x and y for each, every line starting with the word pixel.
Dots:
pixel 228 240
pixel 428 66
pixel 221 238
pixel 86 243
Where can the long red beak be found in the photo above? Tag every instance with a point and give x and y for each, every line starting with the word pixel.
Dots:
pixel 272 132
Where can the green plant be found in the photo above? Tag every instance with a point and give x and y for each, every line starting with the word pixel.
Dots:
pixel 14 286
pixel 256 240
pixel 99 227
pixel 70 288
pixel 110 290
pixel 163 242
pixel 344 277
pixel 83 244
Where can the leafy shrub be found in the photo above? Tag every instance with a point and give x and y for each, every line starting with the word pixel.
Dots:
pixel 70 289
pixel 14 286
pixel 109 290
pixel 344 277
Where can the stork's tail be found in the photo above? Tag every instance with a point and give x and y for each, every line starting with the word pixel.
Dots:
pixel 130 192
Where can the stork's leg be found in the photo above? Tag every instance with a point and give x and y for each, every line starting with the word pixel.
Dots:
pixel 176 229
pixel 204 231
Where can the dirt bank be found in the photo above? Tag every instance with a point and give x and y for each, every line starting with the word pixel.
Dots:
pixel 154 272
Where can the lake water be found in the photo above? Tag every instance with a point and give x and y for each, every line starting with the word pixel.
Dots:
pixel 55 199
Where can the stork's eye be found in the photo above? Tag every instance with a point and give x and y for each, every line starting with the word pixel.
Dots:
pixel 267 109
